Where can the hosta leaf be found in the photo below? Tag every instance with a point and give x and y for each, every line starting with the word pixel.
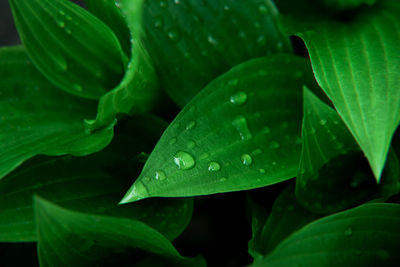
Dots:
pixel 356 63
pixel 110 14
pixel 71 238
pixel 91 184
pixel 286 217
pixel 241 132
pixel 192 42
pixel 37 119
pixel 71 47
pixel 138 90
pixel 333 174
pixel 364 236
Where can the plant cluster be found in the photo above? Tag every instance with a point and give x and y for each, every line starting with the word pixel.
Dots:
pixel 115 118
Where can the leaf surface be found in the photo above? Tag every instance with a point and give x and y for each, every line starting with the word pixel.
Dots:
pixel 74 50
pixel 355 62
pixel 91 184
pixel 70 238
pixel 241 132
pixel 193 42
pixel 364 236
pixel 36 118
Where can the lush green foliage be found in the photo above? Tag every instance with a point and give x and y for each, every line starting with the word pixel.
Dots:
pixel 98 169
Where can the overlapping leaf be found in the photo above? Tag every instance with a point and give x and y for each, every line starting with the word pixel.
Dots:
pixel 356 61
pixel 36 118
pixel 364 236
pixel 70 238
pixel 72 48
pixel 91 184
pixel 138 90
pixel 241 132
pixel 193 42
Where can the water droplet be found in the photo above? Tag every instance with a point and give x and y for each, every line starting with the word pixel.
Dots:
pixel 177 2
pixel 214 166
pixel 261 40
pixel 172 141
pixel 256 152
pixel 68 31
pixel 160 175
pixel 242 34
pixel 204 156
pixel 273 163
pixel 173 35
pixel 322 122
pixel 163 3
pixel 184 160
pixel 77 87
pixel 274 145
pixel 246 159
pixel 262 9
pixel 223 179
pixel 239 98
pixel 266 130
pixel 68 18
pixel 261 170
pixel 158 22
pixel 211 40
pixel 233 82
pixel 62 13
pixel 348 232
pixel 61 23
pixel 240 124
pixel 191 144
pixel 226 8
pixel 146 178
pixel 190 125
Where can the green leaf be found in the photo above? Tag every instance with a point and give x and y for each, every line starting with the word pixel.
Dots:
pixel 342 5
pixel 70 238
pixel 240 132
pixel 286 217
pixel 193 42
pixel 138 90
pixel 72 48
pixel 91 184
pixel 364 236
pixel 356 61
pixel 37 119
pixel 110 14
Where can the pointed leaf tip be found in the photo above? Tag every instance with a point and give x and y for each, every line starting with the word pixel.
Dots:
pixel 137 192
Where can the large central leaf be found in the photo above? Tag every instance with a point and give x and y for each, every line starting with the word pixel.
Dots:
pixel 356 61
pixel 241 132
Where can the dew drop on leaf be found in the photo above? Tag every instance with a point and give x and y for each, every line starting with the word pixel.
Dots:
pixel 61 23
pixel 240 123
pixel 173 35
pixel 261 171
pixel 262 9
pixel 158 22
pixel 190 125
pixel 223 179
pixel 246 159
pixel 77 87
pixel 239 98
pixel 274 145
pixel 233 82
pixel 172 141
pixel 160 175
pixel 163 3
pixel 191 144
pixel 322 122
pixel 184 160
pixel 348 232
pixel 214 166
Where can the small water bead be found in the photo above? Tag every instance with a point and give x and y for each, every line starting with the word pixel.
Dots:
pixel 273 163
pixel 266 130
pixel 274 145
pixel 246 159
pixel 160 175
pixel 173 35
pixel 190 125
pixel 158 22
pixel 68 18
pixel 61 23
pixel 212 40
pixel 177 2
pixel 240 123
pixel 62 13
pixel 163 3
pixel 146 178
pixel 77 87
pixel 348 232
pixel 263 9
pixel 261 171
pixel 322 122
pixel 184 160
pixel 239 98
pixel 256 152
pixel 214 166
pixel 226 8
pixel 191 144
pixel 242 34
pixel 233 82
pixel 223 179
pixel 172 141
pixel 261 40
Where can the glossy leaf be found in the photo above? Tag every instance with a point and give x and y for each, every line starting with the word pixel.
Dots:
pixel 109 12
pixel 193 42
pixel 36 118
pixel 241 132
pixel 91 184
pixel 71 47
pixel 364 236
pixel 286 217
pixel 70 238
pixel 138 90
pixel 356 63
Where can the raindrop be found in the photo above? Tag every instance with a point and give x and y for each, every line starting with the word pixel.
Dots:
pixel 223 179
pixel 256 152
pixel 191 144
pixel 61 23
pixel 214 166
pixel 274 145
pixel 262 9
pixel 62 13
pixel 261 171
pixel 240 124
pixel 322 122
pixel 158 22
pixel 233 82
pixel 239 98
pixel 163 3
pixel 246 159
pixel 190 125
pixel 261 40
pixel 77 87
pixel 184 160
pixel 68 18
pixel 273 163
pixel 177 2
pixel 211 40
pixel 266 130
pixel 172 141
pixel 348 232
pixel 242 34
pixel 226 8
pixel 160 175
pixel 173 35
